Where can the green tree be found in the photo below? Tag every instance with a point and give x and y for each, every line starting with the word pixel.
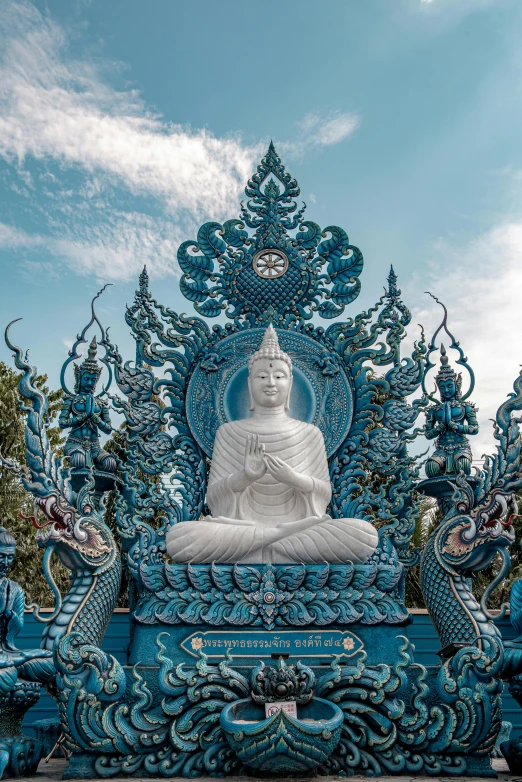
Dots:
pixel 426 521
pixel 14 500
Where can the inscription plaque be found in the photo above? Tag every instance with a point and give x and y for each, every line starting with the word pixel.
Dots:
pixel 250 643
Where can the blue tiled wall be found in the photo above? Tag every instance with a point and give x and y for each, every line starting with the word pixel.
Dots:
pixel 420 632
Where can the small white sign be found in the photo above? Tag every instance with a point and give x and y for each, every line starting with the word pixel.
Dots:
pixel 288 706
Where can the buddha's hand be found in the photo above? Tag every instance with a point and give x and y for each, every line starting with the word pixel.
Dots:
pixel 255 466
pixel 283 473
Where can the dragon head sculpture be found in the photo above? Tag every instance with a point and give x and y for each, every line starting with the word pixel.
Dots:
pixel 73 525
pixel 477 528
pixel 72 528
pixel 468 540
pixel 78 536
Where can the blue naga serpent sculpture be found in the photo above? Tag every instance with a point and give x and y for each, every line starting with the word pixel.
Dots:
pixel 73 528
pixel 477 527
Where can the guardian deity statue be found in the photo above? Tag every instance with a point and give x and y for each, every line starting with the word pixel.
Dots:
pixel 30 665
pixel 450 421
pixel 269 485
pixel 86 416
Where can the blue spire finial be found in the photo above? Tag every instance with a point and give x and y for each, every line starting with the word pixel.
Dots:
pixel 144 280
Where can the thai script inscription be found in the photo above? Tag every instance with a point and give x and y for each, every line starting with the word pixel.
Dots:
pixel 263 644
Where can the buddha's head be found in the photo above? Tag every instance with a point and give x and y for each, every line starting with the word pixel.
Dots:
pixel 87 374
pixel 448 382
pixel 7 551
pixel 270 374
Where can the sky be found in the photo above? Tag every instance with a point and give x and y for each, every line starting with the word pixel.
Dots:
pixel 125 125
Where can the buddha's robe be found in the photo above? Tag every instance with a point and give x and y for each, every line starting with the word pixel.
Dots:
pixel 270 521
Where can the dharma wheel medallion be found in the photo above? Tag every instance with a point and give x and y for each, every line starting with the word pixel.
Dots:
pixel 270 264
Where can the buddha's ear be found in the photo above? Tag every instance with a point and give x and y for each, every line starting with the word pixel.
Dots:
pixel 250 394
pixel 287 403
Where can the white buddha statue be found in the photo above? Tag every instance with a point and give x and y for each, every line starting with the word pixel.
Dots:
pixel 269 485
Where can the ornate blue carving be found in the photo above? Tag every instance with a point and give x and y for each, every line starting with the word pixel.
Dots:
pixel 87 414
pixel 290 267
pixel 321 392
pixel 282 683
pixel 110 734
pixel 453 418
pixel 312 643
pixel 22 673
pixel 477 525
pixel 512 750
pixel 72 528
pixel 281 743
pixel 19 755
pixel 372 475
pixel 267 596
pixel 390 728
pixel 393 721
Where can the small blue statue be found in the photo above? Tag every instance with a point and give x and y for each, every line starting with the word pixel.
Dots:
pixel 22 673
pixel 35 665
pixel 450 421
pixel 86 416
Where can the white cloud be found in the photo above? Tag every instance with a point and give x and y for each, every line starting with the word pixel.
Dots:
pixel 323 130
pixel 52 107
pixel 13 238
pixel 329 129
pixel 91 159
pixel 454 9
pixel 81 151
pixel 480 283
pixel 114 250
pixel 120 249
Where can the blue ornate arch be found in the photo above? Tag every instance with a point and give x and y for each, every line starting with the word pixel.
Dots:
pixel 314 272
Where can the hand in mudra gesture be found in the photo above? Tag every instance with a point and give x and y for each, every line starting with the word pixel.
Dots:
pixel 283 473
pixel 255 466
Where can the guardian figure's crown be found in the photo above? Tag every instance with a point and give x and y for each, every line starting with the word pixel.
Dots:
pixel 446 372
pixel 89 365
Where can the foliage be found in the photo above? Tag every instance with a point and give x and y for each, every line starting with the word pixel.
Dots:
pixel 27 568
pixel 427 519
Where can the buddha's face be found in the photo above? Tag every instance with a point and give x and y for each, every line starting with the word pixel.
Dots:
pixel 270 382
pixel 88 382
pixel 7 555
pixel 447 389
